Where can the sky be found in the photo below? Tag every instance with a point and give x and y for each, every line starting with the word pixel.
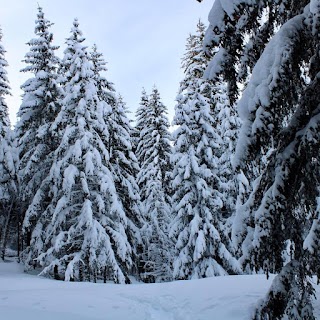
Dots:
pixel 143 41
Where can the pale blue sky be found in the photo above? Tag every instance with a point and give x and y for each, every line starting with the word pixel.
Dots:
pixel 142 40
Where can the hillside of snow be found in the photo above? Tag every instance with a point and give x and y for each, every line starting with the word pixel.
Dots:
pixel 28 297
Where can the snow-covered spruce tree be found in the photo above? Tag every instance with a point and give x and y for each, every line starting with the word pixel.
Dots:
pixel 106 91
pixel 154 143
pixel 37 112
pixel 123 163
pixel 125 169
pixel 141 116
pixel 233 186
pixel 280 113
pixel 201 249
pixel 82 231
pixel 154 180
pixel 228 129
pixel 131 129
pixel 226 126
pixel 8 187
pixel 157 252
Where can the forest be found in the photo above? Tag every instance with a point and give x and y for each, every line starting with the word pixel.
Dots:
pixel 88 195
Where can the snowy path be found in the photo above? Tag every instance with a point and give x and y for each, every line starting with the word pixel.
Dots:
pixel 29 297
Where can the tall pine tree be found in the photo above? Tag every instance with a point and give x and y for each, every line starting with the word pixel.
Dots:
pixel 154 152
pixel 201 247
pixel 123 163
pixel 125 169
pixel 8 186
pixel 141 117
pixel 37 112
pixel 280 113
pixel 154 144
pixel 82 231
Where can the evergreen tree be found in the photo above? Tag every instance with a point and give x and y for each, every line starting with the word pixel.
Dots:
pixel 154 145
pixel 201 249
pixel 8 187
pixel 125 169
pixel 154 152
pixel 106 90
pixel 37 112
pixel 157 254
pixel 123 163
pixel 82 231
pixel 280 113
pixel 233 186
pixel 141 116
pixel 228 129
pixel 227 122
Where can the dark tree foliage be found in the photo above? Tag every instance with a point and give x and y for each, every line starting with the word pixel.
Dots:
pixel 273 48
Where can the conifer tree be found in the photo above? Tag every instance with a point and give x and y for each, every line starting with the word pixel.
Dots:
pixel 226 126
pixel 154 144
pixel 233 186
pixel 157 255
pixel 201 247
pixel 82 231
pixel 280 113
pixel 141 116
pixel 125 169
pixel 228 129
pixel 37 112
pixel 8 187
pixel 123 163
pixel 106 90
pixel 154 152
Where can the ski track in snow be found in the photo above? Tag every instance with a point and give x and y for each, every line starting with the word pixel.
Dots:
pixel 222 298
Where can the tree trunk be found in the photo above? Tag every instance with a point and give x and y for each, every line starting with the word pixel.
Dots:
pixel 5 233
pixel 80 272
pixel 19 234
pixel 105 275
pixel 95 276
pixel 56 272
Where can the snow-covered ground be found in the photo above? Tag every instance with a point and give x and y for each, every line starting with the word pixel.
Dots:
pixel 29 297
